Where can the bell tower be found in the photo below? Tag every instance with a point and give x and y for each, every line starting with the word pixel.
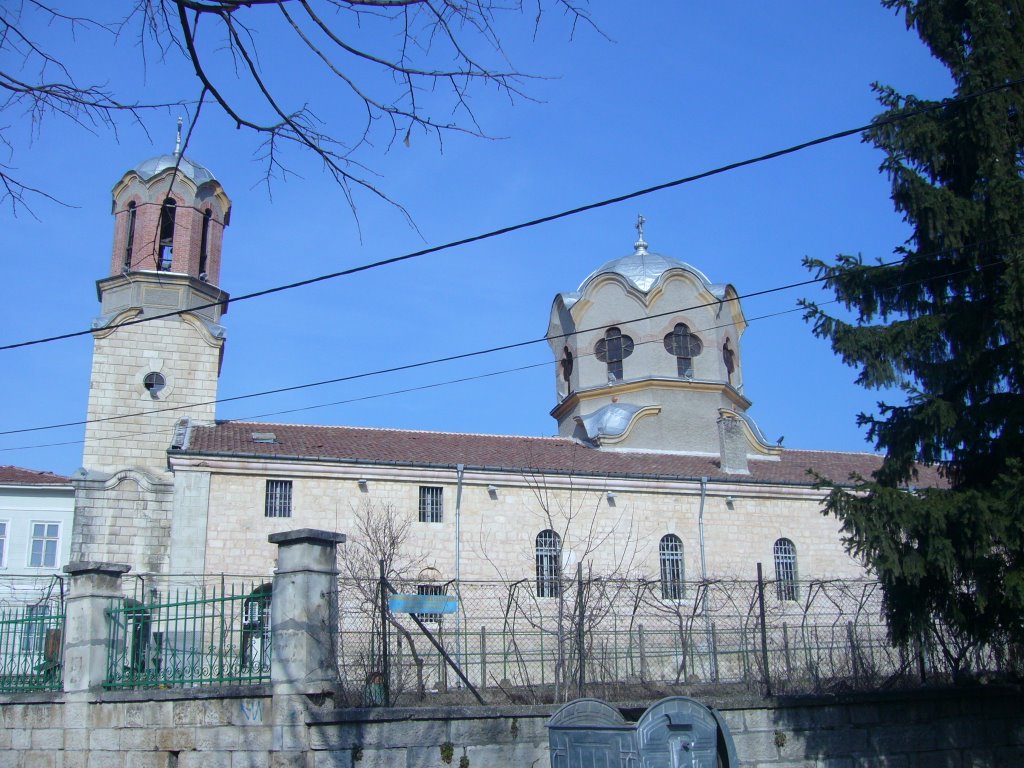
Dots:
pixel 158 347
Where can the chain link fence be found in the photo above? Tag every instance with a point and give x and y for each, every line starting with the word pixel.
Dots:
pixel 620 639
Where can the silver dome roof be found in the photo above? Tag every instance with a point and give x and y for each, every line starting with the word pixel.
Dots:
pixel 199 174
pixel 644 269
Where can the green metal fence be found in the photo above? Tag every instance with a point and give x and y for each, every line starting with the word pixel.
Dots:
pixel 203 636
pixel 31 647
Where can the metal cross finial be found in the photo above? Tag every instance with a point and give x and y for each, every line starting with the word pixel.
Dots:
pixel 177 143
pixel 640 245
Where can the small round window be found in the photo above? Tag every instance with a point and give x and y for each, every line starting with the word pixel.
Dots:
pixel 154 383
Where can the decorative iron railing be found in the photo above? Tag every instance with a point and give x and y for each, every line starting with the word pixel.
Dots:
pixel 205 635
pixel 31 647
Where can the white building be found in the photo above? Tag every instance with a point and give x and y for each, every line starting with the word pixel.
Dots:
pixel 36 512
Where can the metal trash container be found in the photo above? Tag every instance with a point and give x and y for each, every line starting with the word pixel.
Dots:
pixel 588 733
pixel 676 732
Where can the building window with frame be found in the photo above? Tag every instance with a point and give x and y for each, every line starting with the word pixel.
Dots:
pixel 44 546
pixel 431 504
pixel 785 570
pixel 33 634
pixel 279 499
pixel 612 350
pixel 3 543
pixel 670 554
pixel 684 346
pixel 430 590
pixel 549 564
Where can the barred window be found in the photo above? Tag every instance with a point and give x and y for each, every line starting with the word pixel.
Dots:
pixel 671 555
pixel 549 564
pixel 684 346
pixel 430 589
pixel 279 499
pixel 785 570
pixel 612 350
pixel 431 504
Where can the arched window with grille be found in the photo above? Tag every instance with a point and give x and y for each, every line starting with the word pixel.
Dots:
pixel 549 564
pixel 785 570
pixel 612 350
pixel 670 553
pixel 684 346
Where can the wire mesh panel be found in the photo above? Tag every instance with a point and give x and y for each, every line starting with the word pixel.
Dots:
pixel 529 641
pixel 210 634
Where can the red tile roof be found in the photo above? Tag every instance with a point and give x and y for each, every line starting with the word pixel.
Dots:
pixel 21 476
pixel 506 452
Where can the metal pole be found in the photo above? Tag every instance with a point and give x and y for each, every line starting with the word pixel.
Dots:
pixel 459 470
pixel 764 632
pixel 580 634
pixel 384 648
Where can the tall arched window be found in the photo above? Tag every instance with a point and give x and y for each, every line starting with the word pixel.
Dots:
pixel 129 241
pixel 204 243
pixel 685 346
pixel 785 570
pixel 165 255
pixel 612 350
pixel 670 552
pixel 549 564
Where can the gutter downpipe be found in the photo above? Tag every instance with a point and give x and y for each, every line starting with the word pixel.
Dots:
pixel 704 580
pixel 459 471
pixel 700 529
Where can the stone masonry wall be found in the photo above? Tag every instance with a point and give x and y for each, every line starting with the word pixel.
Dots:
pixel 239 728
pixel 499 529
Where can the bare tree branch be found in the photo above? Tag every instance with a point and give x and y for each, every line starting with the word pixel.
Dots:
pixel 446 49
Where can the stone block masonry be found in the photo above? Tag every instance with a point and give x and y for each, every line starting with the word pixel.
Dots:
pixel 241 727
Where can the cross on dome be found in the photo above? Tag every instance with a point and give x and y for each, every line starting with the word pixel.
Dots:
pixel 640 245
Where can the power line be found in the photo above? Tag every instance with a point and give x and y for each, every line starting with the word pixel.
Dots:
pixel 419 364
pixel 391 393
pixel 544 219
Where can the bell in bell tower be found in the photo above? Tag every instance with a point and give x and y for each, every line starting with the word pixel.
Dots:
pixel 157 350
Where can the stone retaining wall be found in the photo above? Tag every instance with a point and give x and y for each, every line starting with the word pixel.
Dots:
pixel 250 727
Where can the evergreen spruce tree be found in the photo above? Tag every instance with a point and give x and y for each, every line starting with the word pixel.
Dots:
pixel 945 325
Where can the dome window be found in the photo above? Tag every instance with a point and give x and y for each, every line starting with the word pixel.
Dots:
pixel 165 257
pixel 612 350
pixel 204 244
pixel 129 240
pixel 684 346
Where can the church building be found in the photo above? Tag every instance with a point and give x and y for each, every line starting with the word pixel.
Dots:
pixel 657 471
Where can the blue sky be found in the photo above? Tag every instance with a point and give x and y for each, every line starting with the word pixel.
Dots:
pixel 679 88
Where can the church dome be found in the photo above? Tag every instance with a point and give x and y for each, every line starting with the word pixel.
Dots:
pixel 199 174
pixel 644 269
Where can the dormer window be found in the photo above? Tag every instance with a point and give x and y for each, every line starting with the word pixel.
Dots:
pixel 612 350
pixel 129 240
pixel 165 255
pixel 684 346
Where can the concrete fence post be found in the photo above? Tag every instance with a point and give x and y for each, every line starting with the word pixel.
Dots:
pixel 304 612
pixel 94 586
